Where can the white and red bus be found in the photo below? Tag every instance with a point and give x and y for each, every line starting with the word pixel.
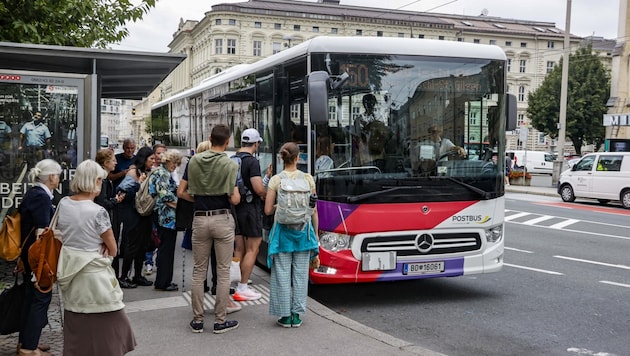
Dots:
pixel 393 204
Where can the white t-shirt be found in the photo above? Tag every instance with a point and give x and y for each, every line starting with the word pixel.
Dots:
pixel 81 223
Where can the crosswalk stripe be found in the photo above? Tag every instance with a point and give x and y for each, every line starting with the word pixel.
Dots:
pixel 209 299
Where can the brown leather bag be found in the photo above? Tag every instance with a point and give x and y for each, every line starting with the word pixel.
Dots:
pixel 10 236
pixel 43 255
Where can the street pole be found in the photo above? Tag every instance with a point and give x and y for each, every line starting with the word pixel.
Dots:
pixel 559 162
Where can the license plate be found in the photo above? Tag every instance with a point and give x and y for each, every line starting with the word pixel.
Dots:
pixel 378 261
pixel 423 267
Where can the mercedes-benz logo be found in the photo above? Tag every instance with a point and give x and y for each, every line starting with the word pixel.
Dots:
pixel 424 242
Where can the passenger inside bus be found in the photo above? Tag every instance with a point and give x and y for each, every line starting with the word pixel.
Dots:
pixel 323 161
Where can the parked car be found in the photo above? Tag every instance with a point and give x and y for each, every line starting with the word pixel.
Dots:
pixel 604 176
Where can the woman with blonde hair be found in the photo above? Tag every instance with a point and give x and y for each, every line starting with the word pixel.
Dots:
pixel 36 210
pixel 94 320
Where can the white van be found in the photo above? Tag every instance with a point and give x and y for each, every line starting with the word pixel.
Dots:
pixel 604 176
pixel 534 161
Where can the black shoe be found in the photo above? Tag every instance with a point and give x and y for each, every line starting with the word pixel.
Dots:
pixel 225 327
pixel 171 288
pixel 126 283
pixel 206 289
pixel 196 326
pixel 141 281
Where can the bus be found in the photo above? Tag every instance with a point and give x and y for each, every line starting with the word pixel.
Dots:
pixel 391 206
pixel 104 141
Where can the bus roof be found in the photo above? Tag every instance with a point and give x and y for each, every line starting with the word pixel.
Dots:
pixel 356 45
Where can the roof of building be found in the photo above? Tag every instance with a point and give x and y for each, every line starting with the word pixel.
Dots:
pixel 123 74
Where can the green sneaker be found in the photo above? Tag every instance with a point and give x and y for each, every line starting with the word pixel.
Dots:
pixel 285 322
pixel 295 320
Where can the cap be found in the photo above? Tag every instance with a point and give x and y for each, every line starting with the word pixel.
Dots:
pixel 250 136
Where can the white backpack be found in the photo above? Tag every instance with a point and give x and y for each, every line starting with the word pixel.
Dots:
pixel 293 201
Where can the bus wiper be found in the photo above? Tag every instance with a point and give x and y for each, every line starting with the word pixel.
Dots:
pixel 356 198
pixel 481 192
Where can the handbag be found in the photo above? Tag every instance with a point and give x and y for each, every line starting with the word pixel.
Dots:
pixel 10 236
pixel 11 301
pixel 184 213
pixel 43 255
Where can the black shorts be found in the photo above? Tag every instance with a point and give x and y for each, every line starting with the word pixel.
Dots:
pixel 249 219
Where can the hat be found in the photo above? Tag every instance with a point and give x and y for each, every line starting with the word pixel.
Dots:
pixel 250 136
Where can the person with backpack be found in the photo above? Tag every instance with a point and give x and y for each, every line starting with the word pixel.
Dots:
pixel 293 240
pixel 36 210
pixel 248 212
pixel 136 230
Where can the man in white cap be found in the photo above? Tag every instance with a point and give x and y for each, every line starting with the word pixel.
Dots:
pixel 249 213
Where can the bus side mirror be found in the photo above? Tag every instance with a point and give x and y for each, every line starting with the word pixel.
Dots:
pixel 510 113
pixel 318 97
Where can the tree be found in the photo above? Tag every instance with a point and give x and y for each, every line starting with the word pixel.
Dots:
pixel 587 92
pixel 77 23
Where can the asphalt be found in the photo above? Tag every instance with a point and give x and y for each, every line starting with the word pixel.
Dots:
pixel 160 320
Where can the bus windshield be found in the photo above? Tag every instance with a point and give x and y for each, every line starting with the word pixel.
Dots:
pixel 398 129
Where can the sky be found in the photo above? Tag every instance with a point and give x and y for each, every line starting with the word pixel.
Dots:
pixel 588 17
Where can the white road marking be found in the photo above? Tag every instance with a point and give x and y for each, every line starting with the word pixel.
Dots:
pixel 155 304
pixel 593 262
pixel 616 284
pixel 564 224
pixel 534 269
pixel 517 250
pixel 583 351
pixel 515 216
pixel 538 219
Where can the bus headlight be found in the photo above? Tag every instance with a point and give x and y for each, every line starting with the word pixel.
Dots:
pixel 334 242
pixel 494 234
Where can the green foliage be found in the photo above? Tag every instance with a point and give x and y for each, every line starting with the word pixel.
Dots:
pixel 78 23
pixel 587 92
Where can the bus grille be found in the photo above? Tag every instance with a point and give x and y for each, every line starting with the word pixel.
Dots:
pixel 405 245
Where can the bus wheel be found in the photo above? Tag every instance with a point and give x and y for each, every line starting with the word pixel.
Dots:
pixel 625 198
pixel 566 193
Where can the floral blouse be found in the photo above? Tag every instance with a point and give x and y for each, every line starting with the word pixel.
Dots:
pixel 163 187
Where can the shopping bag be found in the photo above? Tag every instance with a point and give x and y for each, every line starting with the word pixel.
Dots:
pixel 11 308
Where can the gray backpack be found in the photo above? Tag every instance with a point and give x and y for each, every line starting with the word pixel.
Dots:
pixel 293 201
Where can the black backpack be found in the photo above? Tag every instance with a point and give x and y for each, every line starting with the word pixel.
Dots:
pixel 246 193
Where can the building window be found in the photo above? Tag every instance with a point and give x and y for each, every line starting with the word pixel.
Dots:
pixel 492 42
pixel 276 47
pixel 520 120
pixel 217 71
pixel 315 29
pixel 217 21
pixel 359 33
pixel 550 66
pixel 420 36
pixel 232 22
pixel 441 38
pixel 521 93
pixel 379 33
pixel 295 112
pixel 218 46
pixel 332 113
pixel 541 138
pixel 550 44
pixel 522 65
pixel 523 44
pixel 356 113
pixel 476 40
pixel 334 30
pixel 231 46
pixel 296 27
pixel 508 43
pixel 257 24
pixel 460 39
pixel 277 26
pixel 257 48
pixel 400 34
pixel 509 64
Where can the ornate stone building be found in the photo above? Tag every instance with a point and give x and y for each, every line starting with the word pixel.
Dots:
pixel 245 32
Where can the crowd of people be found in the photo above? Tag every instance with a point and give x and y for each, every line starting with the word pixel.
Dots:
pixel 225 227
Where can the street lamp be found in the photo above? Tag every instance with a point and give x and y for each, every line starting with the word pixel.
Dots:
pixel 288 38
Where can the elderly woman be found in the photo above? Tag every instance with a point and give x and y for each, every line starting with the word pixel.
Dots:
pixel 162 186
pixel 107 197
pixel 94 320
pixel 36 210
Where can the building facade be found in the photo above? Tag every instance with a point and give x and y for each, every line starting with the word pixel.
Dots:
pixel 236 33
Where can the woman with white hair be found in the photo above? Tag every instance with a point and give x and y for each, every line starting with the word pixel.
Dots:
pixel 163 186
pixel 94 320
pixel 36 210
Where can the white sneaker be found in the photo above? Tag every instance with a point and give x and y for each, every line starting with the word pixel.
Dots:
pixel 246 294
pixel 233 307
pixel 148 269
